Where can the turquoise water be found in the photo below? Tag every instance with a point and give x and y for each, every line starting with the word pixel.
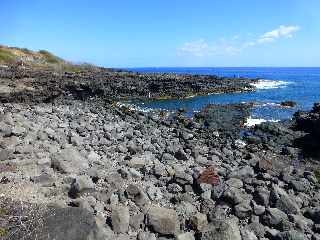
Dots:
pixel 301 85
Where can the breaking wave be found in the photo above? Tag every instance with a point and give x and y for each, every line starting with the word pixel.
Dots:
pixel 269 84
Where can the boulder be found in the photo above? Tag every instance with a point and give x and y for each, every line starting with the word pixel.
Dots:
pixel 274 217
pixel 185 236
pixel 69 161
pixel 199 222
pixel 284 201
pixel 81 184
pixel 314 214
pixel 242 173
pixel 120 218
pixel 223 230
pixel 290 235
pixel 163 220
pixel 243 210
pixel 137 195
pixel 62 223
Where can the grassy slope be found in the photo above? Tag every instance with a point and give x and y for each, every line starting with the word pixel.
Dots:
pixel 42 58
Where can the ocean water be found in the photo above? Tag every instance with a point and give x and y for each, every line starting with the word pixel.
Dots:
pixel 301 85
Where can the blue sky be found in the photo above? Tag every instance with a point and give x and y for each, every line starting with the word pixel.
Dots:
pixel 144 33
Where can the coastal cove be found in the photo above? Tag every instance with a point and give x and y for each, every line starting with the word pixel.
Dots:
pixel 300 85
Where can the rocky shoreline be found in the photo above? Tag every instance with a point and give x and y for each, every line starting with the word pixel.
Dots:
pixel 37 84
pixel 74 165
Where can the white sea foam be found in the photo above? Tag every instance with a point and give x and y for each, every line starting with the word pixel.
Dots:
pixel 250 122
pixel 134 107
pixel 269 84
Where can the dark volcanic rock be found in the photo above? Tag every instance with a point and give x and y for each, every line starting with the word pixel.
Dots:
pixel 227 119
pixel 52 223
pixel 44 85
pixel 309 122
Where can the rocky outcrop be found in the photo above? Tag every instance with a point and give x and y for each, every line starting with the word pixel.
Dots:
pixel 309 122
pixel 224 119
pixel 37 85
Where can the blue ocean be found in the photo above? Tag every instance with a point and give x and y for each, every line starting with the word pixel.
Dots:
pixel 301 85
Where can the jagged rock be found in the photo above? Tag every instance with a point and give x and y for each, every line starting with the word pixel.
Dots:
pixel 137 162
pixel 174 188
pixel 242 173
pixel 274 217
pixel 183 178
pixel 220 212
pixel 314 214
pixel 243 210
pixel 283 201
pixel 120 218
pixel 162 220
pixel 235 196
pixel 137 221
pixel 81 184
pixel 209 176
pixel 258 209
pixel 181 155
pixel 234 182
pixel 302 185
pixel 199 221
pixel 135 193
pixel 186 209
pixel 262 195
pixel 223 229
pixel 44 180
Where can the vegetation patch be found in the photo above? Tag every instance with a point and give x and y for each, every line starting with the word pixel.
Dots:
pixel 50 58
pixel 6 56
pixel 3 212
pixel 3 232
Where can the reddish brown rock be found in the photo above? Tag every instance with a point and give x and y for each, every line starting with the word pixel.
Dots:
pixel 209 176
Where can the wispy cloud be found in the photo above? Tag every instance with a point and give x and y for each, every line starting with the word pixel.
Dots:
pixel 201 47
pixel 280 32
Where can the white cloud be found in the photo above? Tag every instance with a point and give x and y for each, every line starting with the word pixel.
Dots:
pixel 197 48
pixel 201 47
pixel 280 32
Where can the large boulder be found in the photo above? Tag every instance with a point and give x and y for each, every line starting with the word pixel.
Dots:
pixel 60 223
pixel 120 219
pixel 163 220
pixel 69 160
